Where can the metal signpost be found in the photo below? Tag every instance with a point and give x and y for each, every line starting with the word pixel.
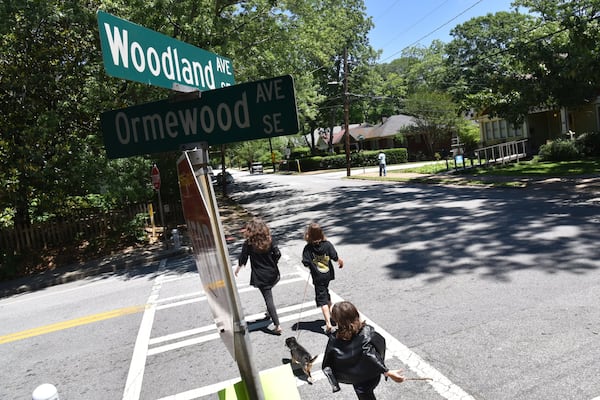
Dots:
pixel 212 261
pixel 155 177
pixel 133 52
pixel 248 111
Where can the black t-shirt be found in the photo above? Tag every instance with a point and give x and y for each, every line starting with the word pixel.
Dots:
pixel 318 258
pixel 265 272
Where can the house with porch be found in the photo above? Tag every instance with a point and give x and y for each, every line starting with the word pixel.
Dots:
pixel 368 137
pixel 541 126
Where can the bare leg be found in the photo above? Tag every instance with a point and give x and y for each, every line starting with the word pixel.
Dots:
pixel 326 309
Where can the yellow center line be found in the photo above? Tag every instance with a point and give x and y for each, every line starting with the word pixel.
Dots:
pixel 70 324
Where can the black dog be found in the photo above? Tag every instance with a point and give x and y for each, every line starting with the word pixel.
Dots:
pixel 300 356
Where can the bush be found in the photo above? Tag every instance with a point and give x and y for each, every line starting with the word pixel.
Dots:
pixel 395 156
pixel 134 231
pixel 588 144
pixel 311 163
pixel 358 159
pixel 559 150
pixel 300 152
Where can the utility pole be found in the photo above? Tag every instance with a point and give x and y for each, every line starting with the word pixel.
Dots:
pixel 346 111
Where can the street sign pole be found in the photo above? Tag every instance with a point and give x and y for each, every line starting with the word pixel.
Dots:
pixel 155 176
pixel 213 263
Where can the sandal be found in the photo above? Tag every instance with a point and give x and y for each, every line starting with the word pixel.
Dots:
pixel 278 331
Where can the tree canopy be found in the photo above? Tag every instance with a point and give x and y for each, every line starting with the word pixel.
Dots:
pixel 53 86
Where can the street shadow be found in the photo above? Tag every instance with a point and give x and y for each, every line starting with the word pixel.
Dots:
pixel 312 326
pixel 442 230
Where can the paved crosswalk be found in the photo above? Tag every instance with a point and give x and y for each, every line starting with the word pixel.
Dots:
pixel 146 346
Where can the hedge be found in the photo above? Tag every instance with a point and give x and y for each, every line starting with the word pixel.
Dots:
pixel 363 158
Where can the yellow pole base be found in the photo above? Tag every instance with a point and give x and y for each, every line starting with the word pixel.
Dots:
pixel 277 383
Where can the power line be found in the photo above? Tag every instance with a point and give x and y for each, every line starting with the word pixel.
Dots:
pixel 386 10
pixel 416 23
pixel 433 31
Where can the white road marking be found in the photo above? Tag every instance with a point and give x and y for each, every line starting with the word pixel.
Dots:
pixel 183 343
pixel 439 382
pixel 202 391
pixel 395 349
pixel 182 334
pixel 180 297
pixel 133 387
pixel 214 335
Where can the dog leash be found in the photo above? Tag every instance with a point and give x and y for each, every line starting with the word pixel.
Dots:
pixel 301 307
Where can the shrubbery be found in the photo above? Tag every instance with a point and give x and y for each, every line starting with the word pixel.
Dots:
pixel 588 144
pixel 359 159
pixel 559 150
pixel 585 145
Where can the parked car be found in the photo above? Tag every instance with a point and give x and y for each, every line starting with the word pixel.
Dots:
pixel 256 167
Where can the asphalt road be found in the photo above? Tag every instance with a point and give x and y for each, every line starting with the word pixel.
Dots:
pixel 493 293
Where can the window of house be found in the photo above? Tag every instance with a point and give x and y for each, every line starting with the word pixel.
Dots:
pixel 518 130
pixel 487 126
pixel 496 129
pixel 503 128
pixel 510 128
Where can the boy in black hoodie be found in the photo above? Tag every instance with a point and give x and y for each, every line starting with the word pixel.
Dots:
pixel 318 255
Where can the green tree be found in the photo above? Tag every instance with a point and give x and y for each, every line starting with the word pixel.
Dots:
pixel 468 133
pixel 485 66
pixel 437 118
pixel 509 62
pixel 53 86
pixel 423 68
pixel 565 55
pixel 47 55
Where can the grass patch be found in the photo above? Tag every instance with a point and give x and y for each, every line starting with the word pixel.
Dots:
pixel 523 168
pixel 428 169
pixel 435 167
pixel 508 175
pixel 536 168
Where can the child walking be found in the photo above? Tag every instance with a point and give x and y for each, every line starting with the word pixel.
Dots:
pixel 264 255
pixel 318 255
pixel 356 354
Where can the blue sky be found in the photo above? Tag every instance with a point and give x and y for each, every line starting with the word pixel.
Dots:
pixel 405 23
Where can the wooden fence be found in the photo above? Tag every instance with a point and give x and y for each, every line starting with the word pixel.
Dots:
pixel 46 235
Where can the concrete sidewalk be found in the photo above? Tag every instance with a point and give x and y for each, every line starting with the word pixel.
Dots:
pixel 117 262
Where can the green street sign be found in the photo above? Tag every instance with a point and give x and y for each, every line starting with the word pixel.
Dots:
pixel 139 54
pixel 248 111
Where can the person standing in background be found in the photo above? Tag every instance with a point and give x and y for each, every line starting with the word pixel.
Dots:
pixel 381 159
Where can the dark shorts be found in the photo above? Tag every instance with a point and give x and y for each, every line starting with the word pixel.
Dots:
pixel 322 296
pixel 364 390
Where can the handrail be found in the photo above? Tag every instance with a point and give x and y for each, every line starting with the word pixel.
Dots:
pixel 503 152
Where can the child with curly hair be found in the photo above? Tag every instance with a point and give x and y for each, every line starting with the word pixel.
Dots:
pixel 264 256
